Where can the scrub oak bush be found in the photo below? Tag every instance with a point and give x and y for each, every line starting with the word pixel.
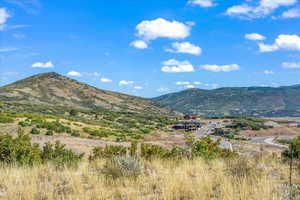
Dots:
pixel 35 131
pixel 41 123
pixel 209 149
pixel 108 152
pixel 20 151
pixel 4 118
pixel 59 155
pixel 205 148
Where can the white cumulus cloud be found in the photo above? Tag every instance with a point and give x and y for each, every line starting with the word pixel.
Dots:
pixel 175 66
pixel 91 74
pixel 182 83
pixel 268 72
pixel 285 42
pixel 197 83
pixel 105 80
pixel 138 87
pixel 43 65
pixel 15 35
pixel 239 10
pixel 74 73
pixel 8 49
pixel 163 90
pixel 189 86
pixel 291 65
pixel 4 15
pixel 122 83
pixel 139 44
pixel 202 3
pixel 254 36
pixel 212 85
pixel 161 28
pixel 291 13
pixel 221 68
pixel 185 47
pixel 262 9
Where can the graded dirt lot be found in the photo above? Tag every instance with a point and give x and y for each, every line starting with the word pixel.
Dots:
pixel 278 131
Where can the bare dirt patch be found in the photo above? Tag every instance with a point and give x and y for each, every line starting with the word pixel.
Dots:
pixel 278 131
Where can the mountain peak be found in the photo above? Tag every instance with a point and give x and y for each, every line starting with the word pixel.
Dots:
pixel 57 90
pixel 45 75
pixel 49 74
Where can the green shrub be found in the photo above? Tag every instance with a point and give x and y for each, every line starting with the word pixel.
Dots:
pixel 75 134
pixel 108 152
pixel 208 149
pixel 149 151
pixel 19 150
pixel 121 139
pixel 98 132
pixel 294 149
pixel 49 133
pixel 59 155
pixel 73 113
pixel 6 119
pixel 205 148
pixel 55 126
pixel 24 124
pixel 35 131
pixel 146 130
pixel 248 123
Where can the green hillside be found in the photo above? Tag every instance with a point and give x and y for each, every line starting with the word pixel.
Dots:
pixel 235 101
pixel 52 89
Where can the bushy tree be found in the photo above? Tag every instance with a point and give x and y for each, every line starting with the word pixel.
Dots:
pixel 19 150
pixel 294 149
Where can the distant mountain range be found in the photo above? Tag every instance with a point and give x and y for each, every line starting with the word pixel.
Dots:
pixel 236 101
pixel 53 89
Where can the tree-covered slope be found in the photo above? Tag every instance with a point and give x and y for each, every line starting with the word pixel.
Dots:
pixel 243 101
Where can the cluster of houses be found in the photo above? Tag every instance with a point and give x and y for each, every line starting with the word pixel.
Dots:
pixel 190 124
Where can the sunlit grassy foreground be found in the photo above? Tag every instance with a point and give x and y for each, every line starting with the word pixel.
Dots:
pixel 256 179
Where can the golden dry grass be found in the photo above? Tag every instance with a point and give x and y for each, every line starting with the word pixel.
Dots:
pixel 162 180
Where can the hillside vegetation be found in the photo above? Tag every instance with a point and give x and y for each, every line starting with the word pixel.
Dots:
pixel 53 105
pixel 247 101
pixel 105 125
pixel 52 89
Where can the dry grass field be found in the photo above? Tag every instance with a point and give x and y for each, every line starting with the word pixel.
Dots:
pixel 239 179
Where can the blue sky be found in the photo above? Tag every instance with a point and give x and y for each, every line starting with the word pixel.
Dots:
pixel 149 48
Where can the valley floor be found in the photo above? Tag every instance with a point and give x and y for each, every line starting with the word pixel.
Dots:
pixel 241 179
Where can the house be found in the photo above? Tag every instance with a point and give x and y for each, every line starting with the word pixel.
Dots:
pixel 179 127
pixel 188 126
pixel 190 117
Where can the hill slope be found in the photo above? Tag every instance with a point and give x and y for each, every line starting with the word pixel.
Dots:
pixel 243 101
pixel 52 89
